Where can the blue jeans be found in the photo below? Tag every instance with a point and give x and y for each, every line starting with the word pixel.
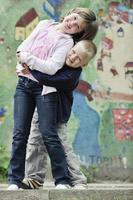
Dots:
pixel 27 97
pixel 37 154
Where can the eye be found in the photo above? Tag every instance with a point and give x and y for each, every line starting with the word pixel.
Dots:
pixel 78 26
pixel 73 51
pixel 79 59
pixel 75 18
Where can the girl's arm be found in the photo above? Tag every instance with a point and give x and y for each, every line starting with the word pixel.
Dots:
pixel 51 65
pixel 25 44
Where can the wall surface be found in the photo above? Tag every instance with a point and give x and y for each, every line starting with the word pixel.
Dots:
pixel 101 124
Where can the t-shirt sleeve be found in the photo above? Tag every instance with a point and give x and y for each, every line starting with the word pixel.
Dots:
pixel 52 64
pixel 25 44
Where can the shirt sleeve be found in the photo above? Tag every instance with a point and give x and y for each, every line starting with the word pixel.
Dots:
pixel 65 79
pixel 25 44
pixel 52 64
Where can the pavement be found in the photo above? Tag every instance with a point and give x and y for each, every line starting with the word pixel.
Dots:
pixel 94 191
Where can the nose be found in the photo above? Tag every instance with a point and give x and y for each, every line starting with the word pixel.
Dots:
pixel 72 23
pixel 73 57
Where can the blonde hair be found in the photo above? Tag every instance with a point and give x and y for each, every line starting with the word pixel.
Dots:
pixel 88 48
pixel 91 24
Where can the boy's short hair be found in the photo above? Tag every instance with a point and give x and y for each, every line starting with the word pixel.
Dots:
pixel 89 48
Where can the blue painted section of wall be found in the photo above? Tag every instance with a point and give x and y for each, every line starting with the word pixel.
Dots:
pixel 55 4
pixel 86 140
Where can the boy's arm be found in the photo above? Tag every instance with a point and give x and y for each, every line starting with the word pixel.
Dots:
pixel 65 79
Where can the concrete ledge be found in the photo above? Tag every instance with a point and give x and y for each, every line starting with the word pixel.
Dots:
pixel 24 195
pixel 91 195
pixel 94 192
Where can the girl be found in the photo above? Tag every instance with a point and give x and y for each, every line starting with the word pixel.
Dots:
pixel 44 50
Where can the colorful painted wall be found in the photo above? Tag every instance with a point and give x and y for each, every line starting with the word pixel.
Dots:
pixel 101 123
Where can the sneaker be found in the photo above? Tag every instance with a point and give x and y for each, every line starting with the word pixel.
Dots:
pixel 62 186
pixel 79 187
pixel 13 187
pixel 29 183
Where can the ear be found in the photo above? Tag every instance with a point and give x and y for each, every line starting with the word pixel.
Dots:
pixel 84 65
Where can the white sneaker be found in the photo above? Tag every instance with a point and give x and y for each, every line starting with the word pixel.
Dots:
pixel 79 187
pixel 13 187
pixel 62 186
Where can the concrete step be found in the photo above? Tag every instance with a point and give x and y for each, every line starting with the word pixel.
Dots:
pixel 93 192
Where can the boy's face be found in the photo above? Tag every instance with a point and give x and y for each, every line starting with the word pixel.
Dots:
pixel 76 57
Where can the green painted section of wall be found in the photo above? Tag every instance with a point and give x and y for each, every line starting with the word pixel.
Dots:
pixel 108 119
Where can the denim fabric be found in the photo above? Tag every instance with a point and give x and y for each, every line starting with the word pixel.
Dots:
pixel 37 154
pixel 27 97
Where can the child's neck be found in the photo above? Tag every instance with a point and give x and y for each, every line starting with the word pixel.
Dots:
pixel 59 27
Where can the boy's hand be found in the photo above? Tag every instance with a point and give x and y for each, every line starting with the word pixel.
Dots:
pixel 26 69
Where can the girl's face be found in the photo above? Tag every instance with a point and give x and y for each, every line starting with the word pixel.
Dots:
pixel 73 23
